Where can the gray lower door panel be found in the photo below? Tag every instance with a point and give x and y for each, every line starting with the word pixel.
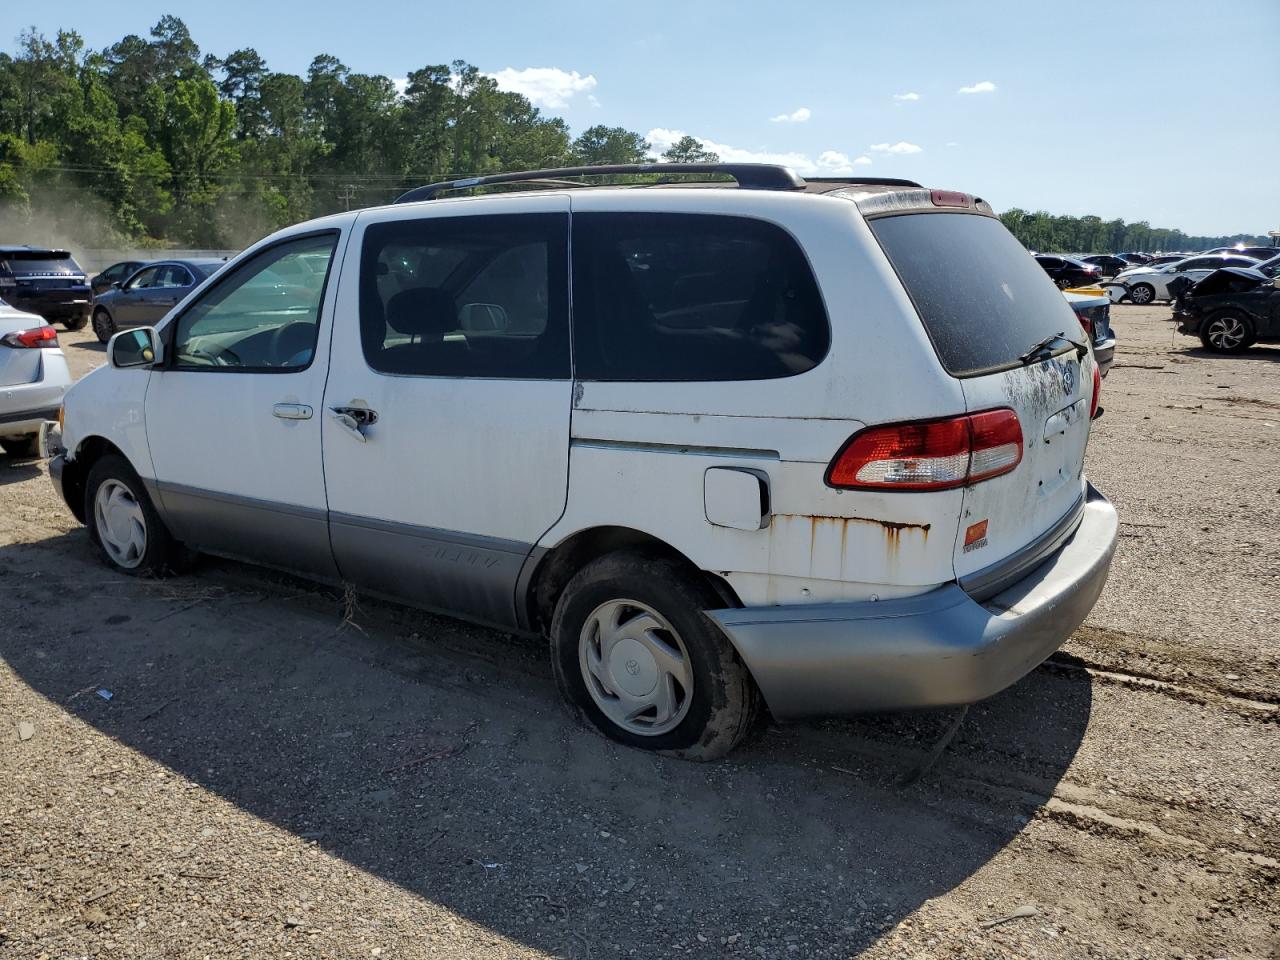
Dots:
pixel 460 573
pixel 279 535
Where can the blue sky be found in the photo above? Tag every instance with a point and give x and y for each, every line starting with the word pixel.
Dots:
pixel 1164 111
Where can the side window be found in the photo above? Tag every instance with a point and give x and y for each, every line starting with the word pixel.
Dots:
pixel 669 297
pixel 478 296
pixel 175 276
pixel 144 279
pixel 258 317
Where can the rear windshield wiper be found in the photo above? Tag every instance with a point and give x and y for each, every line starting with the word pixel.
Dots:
pixel 1038 350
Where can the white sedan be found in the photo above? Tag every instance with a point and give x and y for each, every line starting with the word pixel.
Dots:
pixel 33 378
pixel 1145 284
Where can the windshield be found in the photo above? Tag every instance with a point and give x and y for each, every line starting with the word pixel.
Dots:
pixel 982 299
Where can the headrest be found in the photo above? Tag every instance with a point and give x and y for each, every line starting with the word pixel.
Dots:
pixel 426 312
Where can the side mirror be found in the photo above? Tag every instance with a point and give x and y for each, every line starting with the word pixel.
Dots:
pixel 115 284
pixel 139 347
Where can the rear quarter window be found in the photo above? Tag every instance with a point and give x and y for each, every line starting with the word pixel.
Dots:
pixel 983 300
pixel 690 297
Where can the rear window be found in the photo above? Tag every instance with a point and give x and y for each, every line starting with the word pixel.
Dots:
pixel 21 266
pixel 982 298
pixel 683 297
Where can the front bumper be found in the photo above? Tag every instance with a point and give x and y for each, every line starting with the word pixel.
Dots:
pixel 939 649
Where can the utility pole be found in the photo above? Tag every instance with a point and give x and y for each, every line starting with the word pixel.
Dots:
pixel 348 193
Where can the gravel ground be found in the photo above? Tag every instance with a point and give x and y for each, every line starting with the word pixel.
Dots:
pixel 278 775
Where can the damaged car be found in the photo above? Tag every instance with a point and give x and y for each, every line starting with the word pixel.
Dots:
pixel 1232 309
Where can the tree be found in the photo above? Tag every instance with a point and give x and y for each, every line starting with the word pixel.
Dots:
pixel 609 145
pixel 243 73
pixel 689 150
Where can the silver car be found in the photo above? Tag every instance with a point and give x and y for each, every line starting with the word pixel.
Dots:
pixel 146 296
pixel 33 378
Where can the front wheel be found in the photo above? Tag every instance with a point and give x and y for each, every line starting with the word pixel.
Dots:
pixel 103 325
pixel 123 523
pixel 1142 293
pixel 633 653
pixel 1226 332
pixel 77 322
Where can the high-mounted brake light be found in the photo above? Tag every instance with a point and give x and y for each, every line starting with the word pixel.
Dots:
pixel 949 198
pixel 35 337
pixel 930 455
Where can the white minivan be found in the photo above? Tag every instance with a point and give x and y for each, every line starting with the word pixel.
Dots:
pixel 815 446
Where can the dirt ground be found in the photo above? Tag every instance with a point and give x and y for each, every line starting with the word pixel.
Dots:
pixel 269 779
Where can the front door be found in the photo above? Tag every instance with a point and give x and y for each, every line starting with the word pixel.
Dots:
pixel 446 415
pixel 129 306
pixel 233 417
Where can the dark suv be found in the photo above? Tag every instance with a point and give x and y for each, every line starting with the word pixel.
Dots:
pixel 46 282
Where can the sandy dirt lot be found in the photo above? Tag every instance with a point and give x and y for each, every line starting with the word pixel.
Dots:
pixel 271 779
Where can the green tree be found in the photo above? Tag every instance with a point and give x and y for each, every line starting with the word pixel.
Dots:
pixel 689 150
pixel 609 145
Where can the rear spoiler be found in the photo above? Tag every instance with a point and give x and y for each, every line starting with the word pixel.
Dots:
pixel 879 204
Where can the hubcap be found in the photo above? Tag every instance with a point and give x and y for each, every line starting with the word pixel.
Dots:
pixel 636 667
pixel 1140 294
pixel 121 524
pixel 1226 333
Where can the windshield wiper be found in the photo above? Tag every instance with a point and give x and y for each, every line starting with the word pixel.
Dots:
pixel 1038 350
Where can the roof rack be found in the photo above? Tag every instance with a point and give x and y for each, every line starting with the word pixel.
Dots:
pixel 864 181
pixel 750 176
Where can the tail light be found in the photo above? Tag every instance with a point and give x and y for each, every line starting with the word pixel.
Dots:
pixel 1086 323
pixel 1097 392
pixel 35 337
pixel 929 455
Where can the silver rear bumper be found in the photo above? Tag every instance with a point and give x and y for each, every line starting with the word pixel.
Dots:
pixel 939 649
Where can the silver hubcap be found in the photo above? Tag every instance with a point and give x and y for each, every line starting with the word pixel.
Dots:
pixel 1140 294
pixel 121 524
pixel 1226 333
pixel 636 667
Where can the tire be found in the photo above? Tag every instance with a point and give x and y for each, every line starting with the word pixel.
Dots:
pixel 126 512
pixel 1062 283
pixel 713 703
pixel 1142 294
pixel 103 325
pixel 77 322
pixel 1228 331
pixel 22 448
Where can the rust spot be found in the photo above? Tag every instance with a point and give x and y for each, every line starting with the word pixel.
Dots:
pixel 892 530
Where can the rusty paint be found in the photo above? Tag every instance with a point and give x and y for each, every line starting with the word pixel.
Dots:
pixel 892 530
pixel 893 525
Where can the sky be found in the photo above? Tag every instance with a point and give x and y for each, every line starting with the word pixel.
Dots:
pixel 1157 110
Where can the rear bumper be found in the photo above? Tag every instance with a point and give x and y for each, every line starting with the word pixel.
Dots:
pixel 56 304
pixel 1104 352
pixel 939 649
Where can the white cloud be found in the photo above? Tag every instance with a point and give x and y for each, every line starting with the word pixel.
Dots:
pixel 901 147
pixel 796 116
pixel 838 164
pixel 906 96
pixel 984 86
pixel 593 100
pixel 952 143
pixel 829 162
pixel 545 86
pixel 401 84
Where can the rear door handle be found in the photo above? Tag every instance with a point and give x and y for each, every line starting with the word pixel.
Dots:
pixel 292 411
pixel 361 415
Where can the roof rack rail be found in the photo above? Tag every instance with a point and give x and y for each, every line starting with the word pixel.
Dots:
pixel 750 176
pixel 864 181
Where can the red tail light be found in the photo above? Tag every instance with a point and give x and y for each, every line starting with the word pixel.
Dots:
pixel 933 455
pixel 1097 392
pixel 1086 323
pixel 35 337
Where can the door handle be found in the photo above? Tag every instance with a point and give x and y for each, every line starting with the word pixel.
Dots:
pixel 291 411
pixel 354 420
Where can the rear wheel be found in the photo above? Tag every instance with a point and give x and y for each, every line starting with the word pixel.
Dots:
pixel 1141 293
pixel 1227 332
pixel 22 448
pixel 634 654
pixel 103 325
pixel 77 322
pixel 124 524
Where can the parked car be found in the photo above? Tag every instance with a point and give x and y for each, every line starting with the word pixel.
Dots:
pixel 45 282
pixel 1108 265
pixel 1068 271
pixel 33 379
pixel 688 460
pixel 148 294
pixel 1137 259
pixel 1258 253
pixel 1144 284
pixel 1094 313
pixel 1232 309
pixel 115 274
pixel 1162 259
